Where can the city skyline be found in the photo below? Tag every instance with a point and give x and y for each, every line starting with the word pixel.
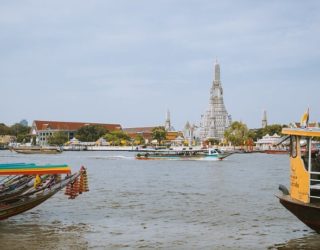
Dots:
pixel 128 63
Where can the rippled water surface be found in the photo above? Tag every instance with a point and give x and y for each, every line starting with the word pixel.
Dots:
pixel 226 204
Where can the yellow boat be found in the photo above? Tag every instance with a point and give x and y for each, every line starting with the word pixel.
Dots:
pixel 303 197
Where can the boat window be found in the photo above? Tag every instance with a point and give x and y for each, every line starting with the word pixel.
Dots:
pixel 304 151
pixel 315 157
pixel 293 146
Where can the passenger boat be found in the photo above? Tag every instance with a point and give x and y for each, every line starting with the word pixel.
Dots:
pixel 303 197
pixel 37 150
pixel 28 185
pixel 185 154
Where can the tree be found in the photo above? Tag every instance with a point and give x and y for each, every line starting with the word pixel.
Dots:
pixel 115 137
pixel 23 138
pixel 58 138
pixel 213 141
pixel 90 133
pixel 272 129
pixel 237 133
pixel 159 134
pixel 18 129
pixel 139 140
pixel 21 132
pixel 4 129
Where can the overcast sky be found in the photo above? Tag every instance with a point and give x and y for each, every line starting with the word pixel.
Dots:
pixel 128 62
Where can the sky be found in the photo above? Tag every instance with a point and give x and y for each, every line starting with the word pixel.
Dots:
pixel 128 62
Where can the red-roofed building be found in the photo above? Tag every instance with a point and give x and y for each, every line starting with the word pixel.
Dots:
pixel 145 132
pixel 44 129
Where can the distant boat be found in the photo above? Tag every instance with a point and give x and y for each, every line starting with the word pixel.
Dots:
pixel 184 154
pixel 37 150
pixel 276 151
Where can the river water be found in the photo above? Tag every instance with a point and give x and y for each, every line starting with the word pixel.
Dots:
pixel 132 204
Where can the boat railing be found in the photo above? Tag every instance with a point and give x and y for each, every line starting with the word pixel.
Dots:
pixel 314 185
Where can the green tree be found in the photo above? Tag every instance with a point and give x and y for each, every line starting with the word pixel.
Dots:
pixel 58 138
pixel 115 137
pixel 21 132
pixel 18 129
pixel 139 140
pixel 112 139
pixel 159 134
pixel 213 141
pixel 237 133
pixel 4 129
pixel 90 133
pixel 120 134
pixel 272 129
pixel 23 138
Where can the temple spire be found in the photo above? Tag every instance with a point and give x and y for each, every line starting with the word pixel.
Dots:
pixel 264 119
pixel 167 125
pixel 217 71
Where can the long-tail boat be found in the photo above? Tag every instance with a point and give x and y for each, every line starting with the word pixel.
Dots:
pixel 37 150
pixel 303 197
pixel 33 184
pixel 184 154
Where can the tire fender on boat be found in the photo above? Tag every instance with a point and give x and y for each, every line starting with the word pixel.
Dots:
pixel 283 189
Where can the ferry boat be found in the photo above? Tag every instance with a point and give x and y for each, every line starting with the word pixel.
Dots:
pixel 303 197
pixel 185 154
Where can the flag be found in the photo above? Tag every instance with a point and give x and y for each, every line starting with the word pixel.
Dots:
pixel 305 119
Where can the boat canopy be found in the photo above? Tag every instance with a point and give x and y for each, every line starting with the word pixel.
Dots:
pixel 309 132
pixel 32 169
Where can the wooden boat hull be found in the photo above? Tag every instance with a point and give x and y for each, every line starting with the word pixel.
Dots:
pixel 42 151
pixel 308 213
pixel 8 209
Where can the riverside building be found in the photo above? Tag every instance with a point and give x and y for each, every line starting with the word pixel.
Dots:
pixel 44 129
pixel 216 119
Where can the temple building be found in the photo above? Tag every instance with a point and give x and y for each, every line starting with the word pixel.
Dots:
pixel 216 119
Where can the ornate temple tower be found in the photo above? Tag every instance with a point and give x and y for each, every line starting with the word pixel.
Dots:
pixel 167 123
pixel 215 121
pixel 264 120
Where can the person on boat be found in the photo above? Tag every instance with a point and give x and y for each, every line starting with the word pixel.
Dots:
pixel 315 160
pixel 37 181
